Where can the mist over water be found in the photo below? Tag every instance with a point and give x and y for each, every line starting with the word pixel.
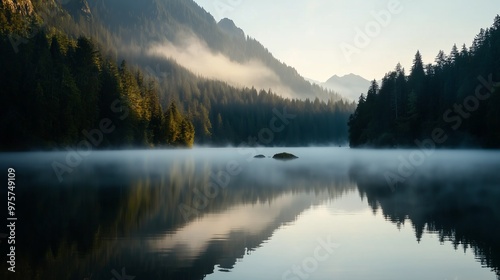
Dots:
pixel 313 164
pixel 191 214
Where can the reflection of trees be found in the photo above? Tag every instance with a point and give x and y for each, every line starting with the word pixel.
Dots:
pixel 94 224
pixel 461 208
pixel 87 226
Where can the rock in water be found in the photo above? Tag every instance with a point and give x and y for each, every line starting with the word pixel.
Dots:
pixel 260 156
pixel 284 156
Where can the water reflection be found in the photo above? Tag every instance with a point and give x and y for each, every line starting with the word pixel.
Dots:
pixel 456 196
pixel 128 209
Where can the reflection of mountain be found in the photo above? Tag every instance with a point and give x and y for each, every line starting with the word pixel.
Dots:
pixel 461 207
pixel 127 215
pixel 121 209
pixel 223 237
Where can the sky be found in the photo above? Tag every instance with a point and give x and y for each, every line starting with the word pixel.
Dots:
pixel 322 38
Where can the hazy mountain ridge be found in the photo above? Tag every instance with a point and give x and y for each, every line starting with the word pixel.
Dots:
pixel 180 23
pixel 148 72
pixel 350 86
pixel 228 26
pixel 130 29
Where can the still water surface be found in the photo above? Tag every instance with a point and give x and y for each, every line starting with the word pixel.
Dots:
pixel 221 214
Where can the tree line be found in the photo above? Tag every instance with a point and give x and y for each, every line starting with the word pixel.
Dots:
pixel 57 88
pixel 453 102
pixel 54 90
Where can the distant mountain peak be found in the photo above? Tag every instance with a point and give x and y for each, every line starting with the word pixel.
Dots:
pixel 350 85
pixel 229 27
pixel 347 76
pixel 227 21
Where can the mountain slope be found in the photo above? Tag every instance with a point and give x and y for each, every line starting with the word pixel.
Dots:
pixel 56 74
pixel 181 29
pixel 23 7
pixel 78 8
pixel 13 14
pixel 349 86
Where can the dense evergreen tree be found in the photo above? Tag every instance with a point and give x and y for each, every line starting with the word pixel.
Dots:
pixel 443 96
pixel 179 130
pixel 59 97
pixel 61 88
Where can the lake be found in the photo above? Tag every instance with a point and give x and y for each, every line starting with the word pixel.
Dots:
pixel 333 213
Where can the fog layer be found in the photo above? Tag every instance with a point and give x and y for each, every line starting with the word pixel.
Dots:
pixel 195 55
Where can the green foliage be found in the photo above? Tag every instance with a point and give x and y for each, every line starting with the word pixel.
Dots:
pixel 56 97
pixel 179 129
pixel 224 115
pixel 17 18
pixel 62 84
pixel 439 96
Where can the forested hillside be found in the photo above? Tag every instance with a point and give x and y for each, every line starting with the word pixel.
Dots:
pixel 66 75
pixel 452 103
pixel 140 23
pixel 58 93
pixel 128 29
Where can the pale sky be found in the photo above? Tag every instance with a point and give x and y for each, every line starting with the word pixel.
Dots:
pixel 310 35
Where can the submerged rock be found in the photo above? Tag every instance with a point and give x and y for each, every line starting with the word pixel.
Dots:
pixel 260 156
pixel 284 156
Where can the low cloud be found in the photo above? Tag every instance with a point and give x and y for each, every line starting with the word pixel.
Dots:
pixel 195 55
